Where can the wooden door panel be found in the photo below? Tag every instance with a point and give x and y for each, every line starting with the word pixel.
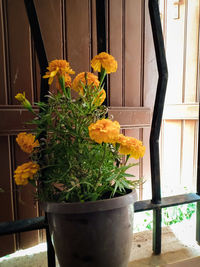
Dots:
pixel 181 111
pixel 78 34
pixel 191 57
pixel 133 52
pixel 171 157
pixel 116 49
pixel 3 95
pixel 188 160
pixel 6 196
pixel 146 171
pixel 50 16
pixel 174 41
pixel 19 50
pixel 51 24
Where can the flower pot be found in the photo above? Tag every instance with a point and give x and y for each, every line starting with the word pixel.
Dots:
pixel 92 234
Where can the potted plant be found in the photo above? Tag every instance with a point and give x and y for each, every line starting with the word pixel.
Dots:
pixel 78 164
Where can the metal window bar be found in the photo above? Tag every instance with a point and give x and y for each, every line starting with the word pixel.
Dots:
pixel 157 202
pixel 101 38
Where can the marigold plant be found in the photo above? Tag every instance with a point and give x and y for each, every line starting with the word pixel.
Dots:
pixel 76 152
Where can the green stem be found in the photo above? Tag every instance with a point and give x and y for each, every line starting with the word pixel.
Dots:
pixel 87 183
pixel 68 93
pixel 102 76
pixel 127 158
pixel 49 166
pixel 100 167
pixel 62 85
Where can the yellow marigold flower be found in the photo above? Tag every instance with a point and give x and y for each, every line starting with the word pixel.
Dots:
pixel 22 99
pixel 79 80
pixel 27 142
pixel 104 130
pixel 24 172
pixel 131 145
pixel 57 68
pixel 104 60
pixel 100 98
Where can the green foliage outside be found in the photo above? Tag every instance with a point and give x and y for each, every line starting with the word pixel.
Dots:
pixel 170 216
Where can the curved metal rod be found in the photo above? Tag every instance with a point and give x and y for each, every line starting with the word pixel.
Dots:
pixel 39 46
pixel 101 37
pixel 160 98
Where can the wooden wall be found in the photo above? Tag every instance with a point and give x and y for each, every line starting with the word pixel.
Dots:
pixel 180 121
pixel 69 31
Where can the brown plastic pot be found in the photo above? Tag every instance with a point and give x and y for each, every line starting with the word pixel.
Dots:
pixel 92 234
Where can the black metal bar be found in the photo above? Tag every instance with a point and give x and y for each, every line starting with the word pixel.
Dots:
pixel 101 36
pixel 101 25
pixel 7 228
pixel 165 202
pixel 37 223
pixel 198 159
pixel 157 219
pixel 157 119
pixel 198 86
pixel 160 98
pixel 198 156
pixel 50 248
pixel 198 223
pixel 39 46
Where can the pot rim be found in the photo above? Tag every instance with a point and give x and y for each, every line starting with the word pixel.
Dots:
pixel 90 206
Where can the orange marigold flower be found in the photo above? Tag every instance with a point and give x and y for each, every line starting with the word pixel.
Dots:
pixel 131 145
pixel 24 172
pixel 80 80
pixel 104 60
pixel 27 142
pixel 57 68
pixel 104 130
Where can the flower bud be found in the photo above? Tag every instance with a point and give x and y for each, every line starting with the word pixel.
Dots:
pixel 22 99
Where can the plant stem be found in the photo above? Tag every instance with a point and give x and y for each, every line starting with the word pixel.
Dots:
pixel 127 158
pixel 102 76
pixel 99 174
